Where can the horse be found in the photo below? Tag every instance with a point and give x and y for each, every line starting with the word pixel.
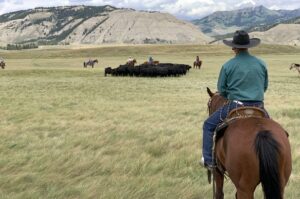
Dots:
pixel 90 62
pixel 197 64
pixel 131 62
pixel 296 66
pixel 2 64
pixel 153 63
pixel 252 150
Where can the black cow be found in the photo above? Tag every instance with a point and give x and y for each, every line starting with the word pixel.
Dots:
pixel 107 70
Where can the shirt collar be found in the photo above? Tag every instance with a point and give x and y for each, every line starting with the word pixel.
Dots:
pixel 243 53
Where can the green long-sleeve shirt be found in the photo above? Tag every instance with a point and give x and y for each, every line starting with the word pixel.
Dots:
pixel 243 78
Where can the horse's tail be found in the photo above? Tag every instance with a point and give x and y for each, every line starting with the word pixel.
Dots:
pixel 267 150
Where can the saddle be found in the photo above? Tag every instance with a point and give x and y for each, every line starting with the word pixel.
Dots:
pixel 245 112
pixel 235 114
pixel 238 113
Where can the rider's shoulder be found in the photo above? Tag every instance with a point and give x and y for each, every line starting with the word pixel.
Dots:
pixel 230 62
pixel 262 62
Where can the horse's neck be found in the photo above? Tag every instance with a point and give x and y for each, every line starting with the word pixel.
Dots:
pixel 217 102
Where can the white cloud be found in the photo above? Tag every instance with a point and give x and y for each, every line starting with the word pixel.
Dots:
pixel 187 9
pixel 246 3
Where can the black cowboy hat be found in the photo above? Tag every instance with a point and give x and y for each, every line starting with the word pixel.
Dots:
pixel 241 39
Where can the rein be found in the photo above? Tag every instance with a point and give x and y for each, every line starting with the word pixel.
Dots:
pixel 215 101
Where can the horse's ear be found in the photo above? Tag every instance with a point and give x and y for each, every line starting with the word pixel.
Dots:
pixel 209 92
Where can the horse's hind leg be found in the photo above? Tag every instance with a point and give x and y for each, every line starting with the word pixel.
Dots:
pixel 245 183
pixel 243 194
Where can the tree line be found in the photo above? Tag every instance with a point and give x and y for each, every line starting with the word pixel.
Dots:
pixel 20 46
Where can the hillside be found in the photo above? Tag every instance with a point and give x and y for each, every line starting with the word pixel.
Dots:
pixel 286 34
pixel 95 25
pixel 252 18
pixel 267 27
pixel 282 34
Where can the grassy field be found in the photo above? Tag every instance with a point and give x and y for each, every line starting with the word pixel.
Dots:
pixel 70 132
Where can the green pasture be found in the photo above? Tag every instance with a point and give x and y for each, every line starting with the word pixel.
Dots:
pixel 70 132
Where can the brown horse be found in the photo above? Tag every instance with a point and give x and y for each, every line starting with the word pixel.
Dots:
pixel 90 62
pixel 154 63
pixel 2 64
pixel 131 62
pixel 252 150
pixel 296 66
pixel 197 64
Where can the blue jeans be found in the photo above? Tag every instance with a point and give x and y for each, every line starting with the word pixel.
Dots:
pixel 214 120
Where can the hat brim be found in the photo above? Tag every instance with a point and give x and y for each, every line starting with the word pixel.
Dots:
pixel 253 42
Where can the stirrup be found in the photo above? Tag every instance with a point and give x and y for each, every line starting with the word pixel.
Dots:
pixel 207 166
pixel 210 167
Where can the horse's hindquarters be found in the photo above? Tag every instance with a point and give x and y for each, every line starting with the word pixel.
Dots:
pixel 237 153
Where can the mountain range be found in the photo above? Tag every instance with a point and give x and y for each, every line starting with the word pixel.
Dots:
pixel 108 24
pixel 95 25
pixel 257 18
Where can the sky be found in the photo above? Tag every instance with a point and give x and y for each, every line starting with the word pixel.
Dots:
pixel 183 9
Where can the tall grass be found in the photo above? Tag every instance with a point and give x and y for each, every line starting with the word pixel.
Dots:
pixel 70 132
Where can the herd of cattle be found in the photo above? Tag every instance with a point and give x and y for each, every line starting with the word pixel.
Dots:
pixel 149 70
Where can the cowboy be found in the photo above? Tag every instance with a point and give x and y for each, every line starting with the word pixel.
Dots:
pixel 197 59
pixel 243 81
pixel 130 59
pixel 150 61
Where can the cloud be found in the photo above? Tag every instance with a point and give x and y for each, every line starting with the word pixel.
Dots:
pixel 185 9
